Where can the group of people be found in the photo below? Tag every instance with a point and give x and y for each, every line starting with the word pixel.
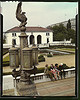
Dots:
pixel 54 71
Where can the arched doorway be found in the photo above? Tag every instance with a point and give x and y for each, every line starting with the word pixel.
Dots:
pixel 14 41
pixel 31 39
pixel 39 39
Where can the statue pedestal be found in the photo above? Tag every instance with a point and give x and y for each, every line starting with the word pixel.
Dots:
pixel 24 89
pixel 35 55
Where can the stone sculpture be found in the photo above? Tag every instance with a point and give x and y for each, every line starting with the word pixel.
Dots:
pixel 24 56
pixel 21 17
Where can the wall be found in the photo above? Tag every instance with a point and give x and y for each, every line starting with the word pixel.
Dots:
pixel 9 37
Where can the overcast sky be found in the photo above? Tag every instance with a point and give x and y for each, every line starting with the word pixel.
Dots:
pixel 38 13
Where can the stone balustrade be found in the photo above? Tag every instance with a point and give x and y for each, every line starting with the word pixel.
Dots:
pixel 40 77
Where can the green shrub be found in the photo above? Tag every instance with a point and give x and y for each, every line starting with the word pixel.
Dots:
pixel 40 70
pixel 41 58
pixel 6 63
pixel 5 50
pixel 49 55
pixel 7 73
pixel 61 46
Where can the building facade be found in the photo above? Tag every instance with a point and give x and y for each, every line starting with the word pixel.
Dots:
pixel 40 35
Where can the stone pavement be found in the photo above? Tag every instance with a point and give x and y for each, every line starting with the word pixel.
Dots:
pixel 8 82
pixel 65 87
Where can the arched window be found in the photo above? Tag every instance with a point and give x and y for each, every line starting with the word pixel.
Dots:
pixel 47 40
pixel 39 39
pixel 31 39
pixel 14 41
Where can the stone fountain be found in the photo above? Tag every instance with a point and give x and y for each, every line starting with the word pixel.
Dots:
pixel 24 57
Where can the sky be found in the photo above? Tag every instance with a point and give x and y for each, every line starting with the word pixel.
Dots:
pixel 38 13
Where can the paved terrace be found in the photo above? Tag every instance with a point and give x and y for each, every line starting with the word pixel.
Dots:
pixel 65 87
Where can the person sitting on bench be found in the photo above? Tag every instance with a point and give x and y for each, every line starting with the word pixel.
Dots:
pixel 52 70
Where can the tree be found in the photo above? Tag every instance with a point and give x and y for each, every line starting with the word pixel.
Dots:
pixel 60 33
pixel 68 25
pixel 60 36
pixel 72 35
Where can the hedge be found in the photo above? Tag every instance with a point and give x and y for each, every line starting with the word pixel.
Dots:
pixel 41 58
pixel 5 50
pixel 40 70
pixel 7 73
pixel 49 55
pixel 5 53
pixel 6 63
pixel 62 46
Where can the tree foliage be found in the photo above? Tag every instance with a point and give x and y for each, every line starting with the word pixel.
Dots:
pixel 60 33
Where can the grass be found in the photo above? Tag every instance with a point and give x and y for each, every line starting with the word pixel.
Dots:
pixel 66 49
pixel 6 58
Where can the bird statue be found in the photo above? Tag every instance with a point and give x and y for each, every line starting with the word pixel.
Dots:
pixel 21 15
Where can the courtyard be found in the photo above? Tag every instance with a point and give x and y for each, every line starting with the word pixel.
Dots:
pixel 69 60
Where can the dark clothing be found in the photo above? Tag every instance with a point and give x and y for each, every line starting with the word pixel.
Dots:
pixel 62 72
pixel 51 67
pixel 60 67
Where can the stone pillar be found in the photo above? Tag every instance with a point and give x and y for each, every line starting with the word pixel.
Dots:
pixel 25 87
pixel 14 57
pixel 27 58
pixel 35 55
pixel 23 44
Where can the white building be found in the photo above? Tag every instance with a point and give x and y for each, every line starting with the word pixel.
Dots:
pixel 42 36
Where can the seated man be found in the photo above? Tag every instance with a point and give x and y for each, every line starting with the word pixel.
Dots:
pixel 61 68
pixel 53 71
pixel 46 70
pixel 57 70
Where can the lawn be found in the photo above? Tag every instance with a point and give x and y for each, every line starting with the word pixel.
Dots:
pixel 6 58
pixel 66 49
pixel 6 61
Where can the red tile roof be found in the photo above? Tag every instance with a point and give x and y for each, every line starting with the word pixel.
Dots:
pixel 29 29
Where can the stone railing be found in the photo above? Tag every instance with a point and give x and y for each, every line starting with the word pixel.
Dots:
pixel 69 72
pixel 41 77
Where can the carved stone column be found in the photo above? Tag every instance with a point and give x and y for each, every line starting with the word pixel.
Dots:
pixel 23 44
pixel 35 55
pixel 25 87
